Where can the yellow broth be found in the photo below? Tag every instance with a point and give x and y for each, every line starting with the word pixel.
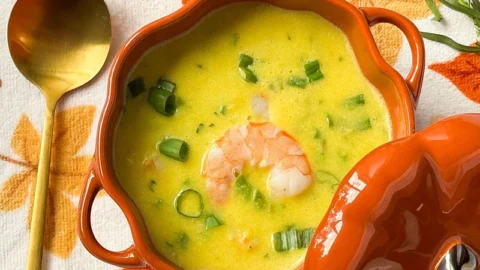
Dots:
pixel 204 65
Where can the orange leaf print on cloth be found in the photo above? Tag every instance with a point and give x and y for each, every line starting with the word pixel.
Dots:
pixel 67 172
pixel 388 38
pixel 464 72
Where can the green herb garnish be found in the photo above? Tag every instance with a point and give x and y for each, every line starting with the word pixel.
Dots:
pixel 189 203
pixel 243 187
pixel 248 75
pixel 136 87
pixel 182 240
pixel 312 70
pixel 355 101
pixel 244 60
pixel 329 120
pixel 162 101
pixel 152 185
pixel 199 128
pixel 291 239
pixel 211 222
pixel 166 85
pixel 364 124
pixel 298 82
pixel 174 148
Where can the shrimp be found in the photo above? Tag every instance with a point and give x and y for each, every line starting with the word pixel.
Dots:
pixel 261 145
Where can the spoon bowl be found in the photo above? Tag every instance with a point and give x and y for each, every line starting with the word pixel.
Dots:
pixel 58 46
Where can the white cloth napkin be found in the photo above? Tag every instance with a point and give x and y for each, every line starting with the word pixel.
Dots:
pixel 22 106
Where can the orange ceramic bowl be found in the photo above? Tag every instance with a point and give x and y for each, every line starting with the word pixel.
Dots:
pixel 400 95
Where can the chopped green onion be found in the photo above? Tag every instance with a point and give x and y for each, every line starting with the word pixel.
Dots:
pixel 223 110
pixel 364 124
pixel 245 60
pixel 312 70
pixel 235 39
pixel 330 120
pixel 166 85
pixel 136 87
pixel 317 134
pixel 315 76
pixel 291 239
pixel 199 128
pixel 250 193
pixel 152 185
pixel 258 199
pixel 248 75
pixel 182 240
pixel 211 222
pixel 355 101
pixel 243 187
pixel 211 125
pixel 437 16
pixel 174 148
pixel 189 203
pixel 162 101
pixel 298 82
pixel 306 237
pixel 450 42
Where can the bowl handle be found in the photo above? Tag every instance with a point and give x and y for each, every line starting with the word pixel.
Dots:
pixel 415 77
pixel 125 258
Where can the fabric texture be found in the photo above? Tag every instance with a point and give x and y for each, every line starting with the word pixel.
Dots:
pixel 451 86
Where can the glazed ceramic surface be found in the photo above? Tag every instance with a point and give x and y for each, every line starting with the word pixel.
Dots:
pixel 399 94
pixel 407 203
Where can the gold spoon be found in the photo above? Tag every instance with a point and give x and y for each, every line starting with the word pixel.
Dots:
pixel 57 45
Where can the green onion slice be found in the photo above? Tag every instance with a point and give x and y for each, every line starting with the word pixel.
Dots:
pixel 330 120
pixel 244 60
pixel 182 240
pixel 162 101
pixel 211 222
pixel 189 203
pixel 312 70
pixel 200 128
pixel 258 199
pixel 291 239
pixel 166 85
pixel 136 87
pixel 152 185
pixel 355 101
pixel 174 148
pixel 364 124
pixel 243 187
pixel 248 75
pixel 437 16
pixel 298 82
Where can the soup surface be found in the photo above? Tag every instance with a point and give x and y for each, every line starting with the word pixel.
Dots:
pixel 261 214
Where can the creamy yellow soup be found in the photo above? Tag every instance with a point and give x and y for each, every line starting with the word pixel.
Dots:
pixel 335 120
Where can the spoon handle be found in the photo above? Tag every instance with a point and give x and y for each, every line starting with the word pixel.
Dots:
pixel 37 225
